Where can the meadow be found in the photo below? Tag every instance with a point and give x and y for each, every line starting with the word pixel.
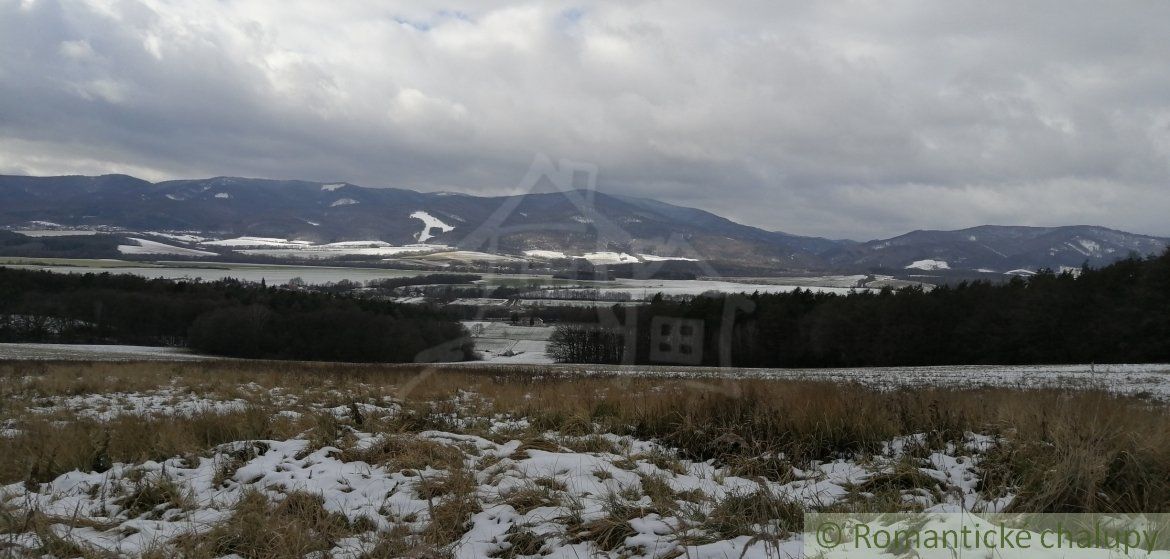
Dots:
pixel 287 459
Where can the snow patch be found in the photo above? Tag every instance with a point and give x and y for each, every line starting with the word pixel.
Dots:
pixel 223 195
pixel 609 258
pixel 544 254
pixel 343 202
pixel 256 242
pixel 332 187
pixel 471 256
pixel 183 237
pixel 928 265
pixel 653 258
pixel 430 222
pixel 151 247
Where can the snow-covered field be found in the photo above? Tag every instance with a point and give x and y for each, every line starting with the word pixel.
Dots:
pixel 644 289
pixel 85 352
pixel 349 468
pixel 146 246
pixel 1148 380
pixel 499 342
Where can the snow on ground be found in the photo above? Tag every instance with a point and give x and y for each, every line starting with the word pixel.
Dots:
pixel 608 257
pixel 179 236
pixel 84 352
pixel 158 403
pixel 500 342
pixel 645 289
pixel 1152 380
pixel 332 187
pixel 55 232
pixel 281 248
pixel 471 256
pixel 223 195
pixel 343 202
pixel 928 265
pixel 430 222
pixel 545 254
pixel 553 492
pixel 357 244
pixel 145 246
pixel 256 242
pixel 653 258
pixel 334 250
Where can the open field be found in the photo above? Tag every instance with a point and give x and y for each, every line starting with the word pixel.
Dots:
pixel 528 345
pixel 500 342
pixel 262 459
pixel 282 273
pixel 89 352
pixel 96 265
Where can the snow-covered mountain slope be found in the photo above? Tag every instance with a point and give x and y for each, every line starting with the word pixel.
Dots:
pixel 600 228
pixel 1001 248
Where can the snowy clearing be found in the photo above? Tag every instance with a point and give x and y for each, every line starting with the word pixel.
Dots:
pixel 552 254
pixel 89 352
pixel 608 258
pixel 928 265
pixel 256 242
pixel 55 232
pixel 145 246
pixel 653 258
pixel 499 342
pixel 430 222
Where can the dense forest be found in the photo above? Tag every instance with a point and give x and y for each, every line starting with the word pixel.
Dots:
pixel 1119 313
pixel 228 317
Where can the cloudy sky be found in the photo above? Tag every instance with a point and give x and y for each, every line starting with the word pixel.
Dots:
pixel 846 119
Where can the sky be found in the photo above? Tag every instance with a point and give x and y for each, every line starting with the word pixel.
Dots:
pixel 843 119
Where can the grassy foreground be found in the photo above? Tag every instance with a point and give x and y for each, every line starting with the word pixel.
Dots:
pixel 460 446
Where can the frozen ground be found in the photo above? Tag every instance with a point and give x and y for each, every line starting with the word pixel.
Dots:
pixel 83 352
pixel 145 246
pixel 560 495
pixel 499 342
pixel 1151 379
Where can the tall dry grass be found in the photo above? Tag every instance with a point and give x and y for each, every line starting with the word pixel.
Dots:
pixel 1060 450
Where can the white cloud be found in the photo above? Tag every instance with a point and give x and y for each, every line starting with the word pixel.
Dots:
pixel 845 119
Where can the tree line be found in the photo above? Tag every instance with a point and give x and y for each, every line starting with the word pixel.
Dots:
pixel 227 317
pixel 1115 314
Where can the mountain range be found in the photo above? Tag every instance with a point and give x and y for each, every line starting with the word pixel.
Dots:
pixel 545 225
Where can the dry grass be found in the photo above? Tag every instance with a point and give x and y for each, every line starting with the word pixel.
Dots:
pixel 1059 450
pixel 402 452
pixel 453 502
pixel 525 499
pixel 612 530
pixel 292 526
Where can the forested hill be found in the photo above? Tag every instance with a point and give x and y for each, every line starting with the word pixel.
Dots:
pixel 1116 314
pixel 228 317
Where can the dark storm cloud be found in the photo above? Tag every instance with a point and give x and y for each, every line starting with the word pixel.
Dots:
pixel 844 120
